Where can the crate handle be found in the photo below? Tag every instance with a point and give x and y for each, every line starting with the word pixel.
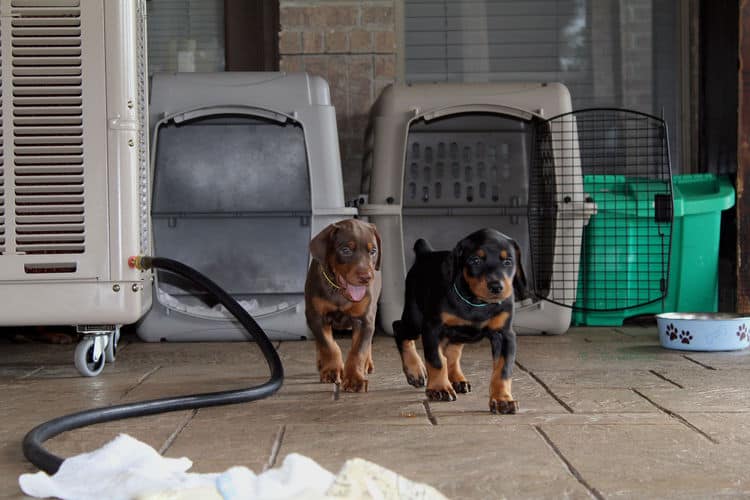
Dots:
pixel 663 209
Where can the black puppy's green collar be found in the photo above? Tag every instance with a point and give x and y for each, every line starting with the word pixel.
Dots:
pixel 455 289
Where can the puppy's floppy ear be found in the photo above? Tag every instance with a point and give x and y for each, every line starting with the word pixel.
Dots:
pixel 520 286
pixel 458 256
pixel 320 244
pixel 380 247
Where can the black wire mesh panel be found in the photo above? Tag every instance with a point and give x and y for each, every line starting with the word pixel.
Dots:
pixel 614 165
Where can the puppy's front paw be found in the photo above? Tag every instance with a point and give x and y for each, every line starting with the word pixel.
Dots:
pixel 331 373
pixel 462 387
pixel 354 382
pixel 369 365
pixel 440 393
pixel 415 380
pixel 503 407
pixel 416 373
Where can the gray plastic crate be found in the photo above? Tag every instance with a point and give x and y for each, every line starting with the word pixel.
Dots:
pixel 443 160
pixel 246 170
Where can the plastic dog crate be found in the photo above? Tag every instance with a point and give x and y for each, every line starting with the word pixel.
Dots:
pixel 606 279
pixel 444 160
pixel 246 170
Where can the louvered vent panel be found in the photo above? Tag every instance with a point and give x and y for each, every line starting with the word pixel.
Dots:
pixel 48 148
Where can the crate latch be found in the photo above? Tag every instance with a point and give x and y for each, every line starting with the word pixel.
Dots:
pixel 663 207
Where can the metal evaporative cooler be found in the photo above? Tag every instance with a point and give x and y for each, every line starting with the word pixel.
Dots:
pixel 74 168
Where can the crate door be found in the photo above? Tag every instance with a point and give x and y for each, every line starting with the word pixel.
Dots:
pixel 232 199
pixel 600 209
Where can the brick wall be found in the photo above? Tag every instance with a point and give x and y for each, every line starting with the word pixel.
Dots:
pixel 352 44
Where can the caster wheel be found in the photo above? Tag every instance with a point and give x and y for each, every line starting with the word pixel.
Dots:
pixel 111 350
pixel 85 360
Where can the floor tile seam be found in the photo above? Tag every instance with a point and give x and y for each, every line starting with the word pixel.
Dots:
pixel 699 363
pixel 275 448
pixel 623 332
pixel 175 434
pixel 545 387
pixel 572 470
pixel 140 381
pixel 677 417
pixel 428 412
pixel 495 425
pixel 665 378
pixel 31 373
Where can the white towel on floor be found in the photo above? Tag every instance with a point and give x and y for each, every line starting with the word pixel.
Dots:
pixel 126 469
pixel 121 469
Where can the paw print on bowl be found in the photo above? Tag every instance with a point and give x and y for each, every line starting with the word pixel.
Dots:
pixel 685 337
pixel 742 332
pixel 671 331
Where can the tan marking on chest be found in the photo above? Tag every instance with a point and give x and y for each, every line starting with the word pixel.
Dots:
pixel 449 319
pixel 494 323
pixel 353 309
pixel 498 322
pixel 322 306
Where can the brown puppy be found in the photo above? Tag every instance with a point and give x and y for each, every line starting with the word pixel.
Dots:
pixel 342 290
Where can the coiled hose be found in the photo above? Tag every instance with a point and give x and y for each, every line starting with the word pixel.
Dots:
pixel 33 448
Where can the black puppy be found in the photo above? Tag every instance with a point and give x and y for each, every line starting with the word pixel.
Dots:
pixel 457 297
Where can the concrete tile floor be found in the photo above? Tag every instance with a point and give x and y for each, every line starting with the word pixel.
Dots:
pixel 605 413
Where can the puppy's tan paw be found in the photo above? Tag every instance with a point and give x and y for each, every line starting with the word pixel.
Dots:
pixel 415 371
pixel 415 378
pixel 461 387
pixel 331 373
pixel 440 392
pixel 354 382
pixel 503 407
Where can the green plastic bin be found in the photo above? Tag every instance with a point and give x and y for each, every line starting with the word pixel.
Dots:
pixel 614 269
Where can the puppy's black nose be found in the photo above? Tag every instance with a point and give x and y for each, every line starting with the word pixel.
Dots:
pixel 495 286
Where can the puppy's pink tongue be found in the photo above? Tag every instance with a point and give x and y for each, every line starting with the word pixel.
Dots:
pixel 357 293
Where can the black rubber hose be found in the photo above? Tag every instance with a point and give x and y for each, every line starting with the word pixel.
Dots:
pixel 33 448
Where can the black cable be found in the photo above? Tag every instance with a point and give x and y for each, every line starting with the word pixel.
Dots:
pixel 33 448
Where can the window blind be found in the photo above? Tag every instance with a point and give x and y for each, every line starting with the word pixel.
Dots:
pixel 618 53
pixel 185 35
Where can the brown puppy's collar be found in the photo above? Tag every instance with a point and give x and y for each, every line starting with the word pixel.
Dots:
pixel 329 280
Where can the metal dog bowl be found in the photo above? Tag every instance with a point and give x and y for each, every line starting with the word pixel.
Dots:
pixel 704 331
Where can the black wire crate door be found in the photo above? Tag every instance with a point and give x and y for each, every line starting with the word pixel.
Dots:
pixel 600 209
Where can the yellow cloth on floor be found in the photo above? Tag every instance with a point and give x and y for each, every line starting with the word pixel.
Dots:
pixel 358 479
